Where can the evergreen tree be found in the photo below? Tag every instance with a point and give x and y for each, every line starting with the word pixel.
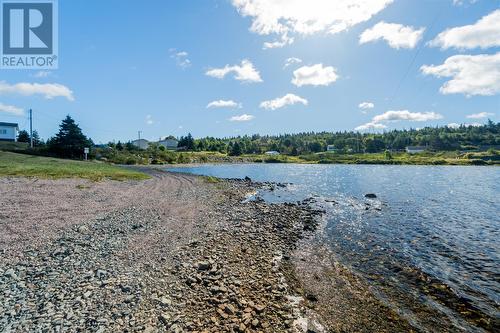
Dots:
pixel 235 150
pixel 23 136
pixel 130 146
pixel 70 141
pixel 189 143
pixel 36 139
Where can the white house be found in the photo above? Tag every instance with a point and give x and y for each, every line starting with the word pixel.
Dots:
pixel 415 149
pixel 8 131
pixel 272 152
pixel 141 143
pixel 169 143
pixel 331 148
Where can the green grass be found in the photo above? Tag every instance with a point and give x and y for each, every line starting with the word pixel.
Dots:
pixel 20 165
pixel 8 145
pixel 211 179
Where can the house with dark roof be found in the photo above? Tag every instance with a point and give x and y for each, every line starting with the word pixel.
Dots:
pixel 8 131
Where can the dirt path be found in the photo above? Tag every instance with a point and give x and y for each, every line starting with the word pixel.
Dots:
pixel 36 211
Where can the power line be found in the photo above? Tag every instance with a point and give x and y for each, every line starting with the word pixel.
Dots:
pixel 415 56
pixel 31 128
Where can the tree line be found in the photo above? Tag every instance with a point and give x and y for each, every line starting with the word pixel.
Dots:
pixel 70 141
pixel 435 138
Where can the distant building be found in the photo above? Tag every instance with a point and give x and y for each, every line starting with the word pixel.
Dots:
pixel 169 143
pixel 8 131
pixel 141 143
pixel 415 149
pixel 272 152
pixel 331 148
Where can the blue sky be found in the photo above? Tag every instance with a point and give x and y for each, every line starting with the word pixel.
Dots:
pixel 154 66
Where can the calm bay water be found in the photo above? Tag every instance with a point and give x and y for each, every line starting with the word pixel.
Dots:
pixel 428 244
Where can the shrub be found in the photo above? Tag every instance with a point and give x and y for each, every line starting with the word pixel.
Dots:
pixel 478 162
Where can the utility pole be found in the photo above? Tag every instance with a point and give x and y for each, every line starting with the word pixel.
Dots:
pixel 31 128
pixel 139 132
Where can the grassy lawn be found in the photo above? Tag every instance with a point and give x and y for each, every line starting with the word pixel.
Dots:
pixel 12 164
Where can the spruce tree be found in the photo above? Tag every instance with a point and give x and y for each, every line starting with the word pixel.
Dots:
pixel 70 141
pixel 23 136
pixel 36 139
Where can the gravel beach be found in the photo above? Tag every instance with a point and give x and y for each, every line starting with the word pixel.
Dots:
pixel 175 253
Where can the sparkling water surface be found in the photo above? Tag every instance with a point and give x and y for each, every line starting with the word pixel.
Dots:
pixel 429 244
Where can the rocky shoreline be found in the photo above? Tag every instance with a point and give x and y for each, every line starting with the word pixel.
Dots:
pixel 187 256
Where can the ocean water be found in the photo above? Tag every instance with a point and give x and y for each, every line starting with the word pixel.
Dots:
pixel 428 244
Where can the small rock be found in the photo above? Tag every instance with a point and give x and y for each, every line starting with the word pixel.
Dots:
pixel 164 301
pixel 222 314
pixel 83 229
pixel 260 307
pixel 126 289
pixel 229 309
pixel 203 266
pixel 10 273
pixel 100 273
pixel 370 196
pixel 165 319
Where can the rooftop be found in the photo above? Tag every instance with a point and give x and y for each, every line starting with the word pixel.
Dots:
pixel 9 124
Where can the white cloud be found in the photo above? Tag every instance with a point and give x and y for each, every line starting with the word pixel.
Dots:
pixel 396 35
pixel 453 125
pixel 305 17
pixel 223 104
pixel 479 115
pixel 369 126
pixel 484 33
pixel 181 58
pixel 462 2
pixel 315 75
pixel 406 115
pixel 366 105
pixel 288 99
pixel 149 120
pixel 392 116
pixel 48 90
pixel 292 61
pixel 284 41
pixel 245 72
pixel 243 117
pixel 11 109
pixel 471 74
